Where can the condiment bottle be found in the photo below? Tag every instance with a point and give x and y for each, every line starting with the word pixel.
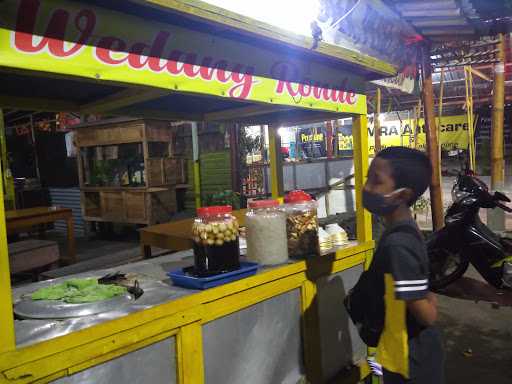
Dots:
pixel 266 233
pixel 301 224
pixel 215 239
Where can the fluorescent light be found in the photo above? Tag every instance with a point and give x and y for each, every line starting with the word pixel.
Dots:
pixel 293 15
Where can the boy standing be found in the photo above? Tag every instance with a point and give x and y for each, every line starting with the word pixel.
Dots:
pixel 409 348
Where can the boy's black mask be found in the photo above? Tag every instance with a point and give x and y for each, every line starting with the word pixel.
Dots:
pixel 379 204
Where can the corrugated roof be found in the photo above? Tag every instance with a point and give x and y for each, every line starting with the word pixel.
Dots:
pixel 446 20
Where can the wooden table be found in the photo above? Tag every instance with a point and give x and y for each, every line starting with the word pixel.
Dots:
pixel 175 235
pixel 21 220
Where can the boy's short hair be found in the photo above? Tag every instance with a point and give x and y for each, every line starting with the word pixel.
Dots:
pixel 411 169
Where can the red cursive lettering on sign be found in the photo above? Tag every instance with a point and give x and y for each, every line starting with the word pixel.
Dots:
pixel 152 56
pixel 305 88
pixel 53 39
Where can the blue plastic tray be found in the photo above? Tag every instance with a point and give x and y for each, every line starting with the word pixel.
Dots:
pixel 180 278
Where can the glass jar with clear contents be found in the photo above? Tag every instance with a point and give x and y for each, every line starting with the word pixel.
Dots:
pixel 265 223
pixel 301 224
pixel 215 241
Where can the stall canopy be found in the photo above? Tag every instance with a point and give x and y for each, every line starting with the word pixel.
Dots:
pixel 173 60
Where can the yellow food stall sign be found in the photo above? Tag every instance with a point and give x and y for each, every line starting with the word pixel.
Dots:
pixel 453 134
pixel 78 39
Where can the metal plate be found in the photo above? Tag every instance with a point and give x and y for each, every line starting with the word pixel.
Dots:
pixel 57 309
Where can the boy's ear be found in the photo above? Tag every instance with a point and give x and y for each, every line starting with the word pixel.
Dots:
pixel 406 195
pixel 402 194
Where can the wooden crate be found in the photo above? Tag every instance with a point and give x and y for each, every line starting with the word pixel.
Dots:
pixel 137 206
pixel 91 204
pixel 163 205
pixel 112 206
pixel 166 171
pixel 110 133
pixel 122 131
pixel 154 202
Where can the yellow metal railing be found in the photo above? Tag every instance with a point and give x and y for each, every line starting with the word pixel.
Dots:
pixel 7 340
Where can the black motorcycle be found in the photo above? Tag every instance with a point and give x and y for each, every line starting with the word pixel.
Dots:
pixel 465 239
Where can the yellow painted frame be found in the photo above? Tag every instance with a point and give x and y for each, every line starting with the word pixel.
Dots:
pixel 184 317
pixel 6 316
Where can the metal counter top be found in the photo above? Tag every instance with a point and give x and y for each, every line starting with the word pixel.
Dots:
pixel 153 280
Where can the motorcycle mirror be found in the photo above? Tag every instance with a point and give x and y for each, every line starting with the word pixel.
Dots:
pixel 501 197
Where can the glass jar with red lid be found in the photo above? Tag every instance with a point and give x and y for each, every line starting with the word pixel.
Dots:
pixel 265 222
pixel 301 224
pixel 215 241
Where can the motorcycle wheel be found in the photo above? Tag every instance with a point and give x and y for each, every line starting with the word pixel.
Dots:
pixel 445 267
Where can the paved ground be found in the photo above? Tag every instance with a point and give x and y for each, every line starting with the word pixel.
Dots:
pixel 476 321
pixel 477 332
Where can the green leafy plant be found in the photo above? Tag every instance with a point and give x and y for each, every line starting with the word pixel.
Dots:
pixel 421 204
pixel 227 197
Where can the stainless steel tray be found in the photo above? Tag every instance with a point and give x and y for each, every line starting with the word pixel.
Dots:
pixel 56 309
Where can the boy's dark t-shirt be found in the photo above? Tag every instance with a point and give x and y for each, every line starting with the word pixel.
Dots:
pixel 406 347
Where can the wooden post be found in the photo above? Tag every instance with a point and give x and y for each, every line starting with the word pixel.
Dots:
pixel 496 218
pixel 440 106
pixel 329 139
pixel 276 164
pixel 336 125
pixel 236 181
pixel 361 155
pixel 376 123
pixel 436 196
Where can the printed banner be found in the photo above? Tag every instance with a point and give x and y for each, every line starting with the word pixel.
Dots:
pixel 453 134
pixel 313 141
pixel 78 39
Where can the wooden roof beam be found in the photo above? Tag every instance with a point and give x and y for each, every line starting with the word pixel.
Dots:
pixel 212 14
pixel 37 104
pixel 124 98
pixel 242 112
pixel 480 74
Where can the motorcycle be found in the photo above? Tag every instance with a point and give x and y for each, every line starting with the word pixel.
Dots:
pixel 466 239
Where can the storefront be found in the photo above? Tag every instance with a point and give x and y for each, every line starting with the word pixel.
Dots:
pixel 195 62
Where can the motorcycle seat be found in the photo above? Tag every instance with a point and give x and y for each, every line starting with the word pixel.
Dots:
pixel 506 242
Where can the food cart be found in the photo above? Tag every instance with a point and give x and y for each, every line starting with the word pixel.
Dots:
pixel 185 60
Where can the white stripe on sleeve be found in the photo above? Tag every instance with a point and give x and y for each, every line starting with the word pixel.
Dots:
pixel 415 288
pixel 411 282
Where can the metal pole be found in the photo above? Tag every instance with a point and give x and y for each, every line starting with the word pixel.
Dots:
pixel 376 122
pixel 195 160
pixel 34 146
pixel 432 140
pixel 496 218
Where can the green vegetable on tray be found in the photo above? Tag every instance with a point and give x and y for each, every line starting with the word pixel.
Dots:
pixel 79 291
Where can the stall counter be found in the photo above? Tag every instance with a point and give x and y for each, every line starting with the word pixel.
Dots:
pixel 271 320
